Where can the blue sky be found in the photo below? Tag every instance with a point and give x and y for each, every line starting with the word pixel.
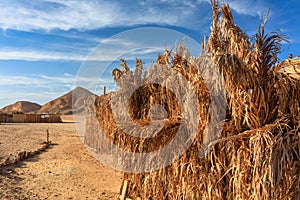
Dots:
pixel 43 43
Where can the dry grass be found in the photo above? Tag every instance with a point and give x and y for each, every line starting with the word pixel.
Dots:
pixel 257 154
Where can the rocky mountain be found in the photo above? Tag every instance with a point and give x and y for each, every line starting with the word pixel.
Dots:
pixel 64 105
pixel 22 107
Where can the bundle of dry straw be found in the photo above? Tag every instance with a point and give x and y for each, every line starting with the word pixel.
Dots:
pixel 257 154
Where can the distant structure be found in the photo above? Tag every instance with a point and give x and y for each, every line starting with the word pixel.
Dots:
pixel 29 118
pixel 3 117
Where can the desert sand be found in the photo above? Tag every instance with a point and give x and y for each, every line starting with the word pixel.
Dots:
pixel 64 171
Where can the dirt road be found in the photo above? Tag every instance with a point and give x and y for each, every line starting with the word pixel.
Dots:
pixel 65 171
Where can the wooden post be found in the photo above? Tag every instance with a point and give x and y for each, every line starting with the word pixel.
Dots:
pixel 124 190
pixel 104 90
pixel 47 136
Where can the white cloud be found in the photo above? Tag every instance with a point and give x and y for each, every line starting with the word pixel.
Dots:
pixel 246 7
pixel 109 55
pixel 56 79
pixel 110 49
pixel 34 88
pixel 51 82
pixel 42 81
pixel 34 55
pixel 55 14
pixel 68 74
pixel 81 15
pixel 19 80
pixel 87 15
pixel 65 15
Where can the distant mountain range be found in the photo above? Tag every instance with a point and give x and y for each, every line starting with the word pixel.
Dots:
pixel 61 105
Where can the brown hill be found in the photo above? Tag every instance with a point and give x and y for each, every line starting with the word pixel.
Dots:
pixel 22 106
pixel 63 104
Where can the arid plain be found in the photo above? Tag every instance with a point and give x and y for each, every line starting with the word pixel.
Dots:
pixel 66 170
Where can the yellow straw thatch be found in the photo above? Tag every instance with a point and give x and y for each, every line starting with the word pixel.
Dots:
pixel 257 154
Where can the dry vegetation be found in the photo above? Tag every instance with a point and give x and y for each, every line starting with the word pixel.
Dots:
pixel 257 154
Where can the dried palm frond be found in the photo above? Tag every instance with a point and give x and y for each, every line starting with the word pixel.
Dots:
pixel 266 49
pixel 257 154
pixel 290 67
pixel 124 65
pixel 117 74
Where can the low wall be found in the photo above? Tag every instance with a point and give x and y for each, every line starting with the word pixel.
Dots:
pixel 32 118
pixel 3 118
pixel 19 118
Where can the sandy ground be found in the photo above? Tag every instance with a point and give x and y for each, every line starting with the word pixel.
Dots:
pixel 64 171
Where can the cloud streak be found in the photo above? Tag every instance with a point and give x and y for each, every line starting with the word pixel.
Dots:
pixel 41 81
pixel 66 15
pixel 52 21
pixel 87 15
pixel 50 82
pixel 55 14
pixel 109 50
pixel 35 88
pixel 55 56
pixel 34 55
pixel 246 7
